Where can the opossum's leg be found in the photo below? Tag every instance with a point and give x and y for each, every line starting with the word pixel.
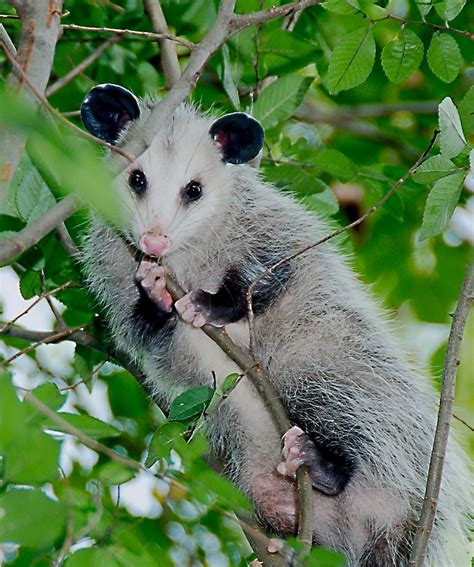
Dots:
pixel 229 304
pixel 299 449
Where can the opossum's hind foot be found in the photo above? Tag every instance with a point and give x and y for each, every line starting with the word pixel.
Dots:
pixel 299 449
pixel 151 278
pixel 191 310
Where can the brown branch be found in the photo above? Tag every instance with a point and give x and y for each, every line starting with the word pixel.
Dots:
pixel 451 362
pixel 73 73
pixel 464 33
pixel 169 58
pixel 36 230
pixel 40 31
pixel 117 31
pixel 271 399
pixel 241 21
pixel 335 233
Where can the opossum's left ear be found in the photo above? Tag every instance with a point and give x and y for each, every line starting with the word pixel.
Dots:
pixel 239 137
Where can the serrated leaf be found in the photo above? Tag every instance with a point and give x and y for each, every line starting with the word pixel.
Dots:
pixel 451 138
pixel 164 440
pixel 449 9
pixel 32 196
pixel 424 6
pixel 466 112
pixel 30 518
pixel 190 403
pixel 30 284
pixel 325 202
pixel 352 60
pixel 89 425
pixel 434 168
pixel 280 100
pixel 444 57
pixel 337 164
pixel 339 7
pixel 402 56
pixel 440 205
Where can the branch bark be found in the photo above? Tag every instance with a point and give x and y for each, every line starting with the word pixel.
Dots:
pixel 169 59
pixel 451 362
pixel 40 31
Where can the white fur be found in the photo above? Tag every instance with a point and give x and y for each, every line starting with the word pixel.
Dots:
pixel 325 344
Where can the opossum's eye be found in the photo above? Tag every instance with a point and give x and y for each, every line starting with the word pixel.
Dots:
pixel 192 191
pixel 137 181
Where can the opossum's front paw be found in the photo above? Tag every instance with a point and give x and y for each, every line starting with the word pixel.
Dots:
pixel 151 278
pixel 191 310
pixel 299 449
pixel 296 451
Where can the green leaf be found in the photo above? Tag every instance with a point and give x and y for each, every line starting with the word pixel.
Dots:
pixel 339 7
pixel 280 100
pixel 227 78
pixel 230 381
pixel 402 56
pixel 92 557
pixel 451 138
pixel 30 518
pixel 87 424
pixel 434 168
pixel 352 60
pixel 32 195
pixel 30 284
pixel 444 57
pixel 325 203
pixel 32 457
pixel 115 473
pixel 424 6
pixel 165 438
pixel 337 164
pixel 190 403
pixel 440 204
pixel 449 9
pixel 466 112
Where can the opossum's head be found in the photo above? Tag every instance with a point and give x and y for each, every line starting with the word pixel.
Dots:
pixel 182 184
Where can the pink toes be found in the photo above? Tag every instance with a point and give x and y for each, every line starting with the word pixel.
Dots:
pixel 190 311
pixel 294 452
pixel 151 278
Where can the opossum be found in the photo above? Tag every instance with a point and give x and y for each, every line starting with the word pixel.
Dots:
pixel 363 418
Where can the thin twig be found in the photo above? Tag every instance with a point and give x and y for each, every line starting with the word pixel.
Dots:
pixel 43 295
pixel 50 338
pixel 44 101
pixel 7 41
pixel 73 73
pixel 66 240
pixel 451 362
pixel 169 58
pixel 117 31
pixel 333 234
pixel 464 33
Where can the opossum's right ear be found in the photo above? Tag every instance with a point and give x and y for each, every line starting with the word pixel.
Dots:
pixel 107 109
pixel 239 137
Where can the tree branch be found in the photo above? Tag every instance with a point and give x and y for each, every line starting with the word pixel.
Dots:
pixel 36 230
pixel 169 59
pixel 271 399
pixel 451 362
pixel 40 30
pixel 73 73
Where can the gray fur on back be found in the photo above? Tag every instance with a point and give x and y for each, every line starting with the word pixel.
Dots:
pixel 325 344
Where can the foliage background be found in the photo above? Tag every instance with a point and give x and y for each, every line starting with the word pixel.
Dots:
pixel 380 126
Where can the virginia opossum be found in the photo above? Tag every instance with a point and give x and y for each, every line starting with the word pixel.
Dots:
pixel 193 200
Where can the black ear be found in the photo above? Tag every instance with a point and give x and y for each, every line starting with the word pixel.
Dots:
pixel 107 109
pixel 239 136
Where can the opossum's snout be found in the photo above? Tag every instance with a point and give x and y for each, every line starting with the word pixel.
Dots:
pixel 154 243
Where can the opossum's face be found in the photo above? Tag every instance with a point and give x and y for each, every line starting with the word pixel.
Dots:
pixel 181 185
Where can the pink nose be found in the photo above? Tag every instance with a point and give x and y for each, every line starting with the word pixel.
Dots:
pixel 154 243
